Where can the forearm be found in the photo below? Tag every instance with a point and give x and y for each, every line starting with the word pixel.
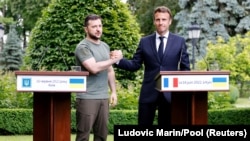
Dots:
pixel 95 67
pixel 111 80
pixel 112 86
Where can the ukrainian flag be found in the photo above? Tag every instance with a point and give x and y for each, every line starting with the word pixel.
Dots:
pixel 76 83
pixel 219 82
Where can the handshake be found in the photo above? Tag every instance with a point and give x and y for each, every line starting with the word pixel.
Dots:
pixel 116 55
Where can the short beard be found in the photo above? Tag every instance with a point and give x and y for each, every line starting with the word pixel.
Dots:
pixel 93 37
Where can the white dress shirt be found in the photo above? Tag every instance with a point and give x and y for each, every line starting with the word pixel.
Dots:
pixel 164 40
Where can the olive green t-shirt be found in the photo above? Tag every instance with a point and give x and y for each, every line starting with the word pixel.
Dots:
pixel 97 84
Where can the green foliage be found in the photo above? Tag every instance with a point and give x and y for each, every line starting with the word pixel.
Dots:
pixel 5 19
pixel 219 100
pixel 144 12
pixel 234 94
pixel 230 116
pixel 224 18
pixel 60 29
pixel 127 97
pixel 11 56
pixel 122 117
pixel 16 121
pixel 232 55
pixel 19 121
pixel 28 10
pixel 9 97
pixel 222 100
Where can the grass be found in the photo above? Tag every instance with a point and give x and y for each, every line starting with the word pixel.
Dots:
pixel 30 138
pixel 242 102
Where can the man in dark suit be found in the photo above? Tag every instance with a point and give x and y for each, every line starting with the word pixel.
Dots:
pixel 174 57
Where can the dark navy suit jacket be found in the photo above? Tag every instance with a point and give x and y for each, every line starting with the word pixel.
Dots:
pixel 175 56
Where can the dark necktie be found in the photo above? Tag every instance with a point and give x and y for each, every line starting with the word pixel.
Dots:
pixel 160 49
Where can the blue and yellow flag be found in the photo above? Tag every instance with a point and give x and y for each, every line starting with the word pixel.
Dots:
pixel 219 81
pixel 76 83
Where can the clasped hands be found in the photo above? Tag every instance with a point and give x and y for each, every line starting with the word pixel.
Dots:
pixel 116 55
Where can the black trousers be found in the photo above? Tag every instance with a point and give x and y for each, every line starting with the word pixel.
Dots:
pixel 147 112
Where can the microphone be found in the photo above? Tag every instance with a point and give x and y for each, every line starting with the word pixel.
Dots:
pixel 67 68
pixel 43 54
pixel 207 65
pixel 179 63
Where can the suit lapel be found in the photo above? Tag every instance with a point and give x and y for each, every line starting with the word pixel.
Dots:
pixel 168 45
pixel 153 46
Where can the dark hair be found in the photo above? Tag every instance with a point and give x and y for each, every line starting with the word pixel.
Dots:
pixel 90 17
pixel 163 9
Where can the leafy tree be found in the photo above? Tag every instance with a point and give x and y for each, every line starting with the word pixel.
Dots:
pixel 144 13
pixel 11 57
pixel 224 18
pixel 28 10
pixel 9 97
pixel 26 13
pixel 60 29
pixel 4 18
pixel 232 55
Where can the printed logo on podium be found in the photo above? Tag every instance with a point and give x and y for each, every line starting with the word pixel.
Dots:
pixel 26 82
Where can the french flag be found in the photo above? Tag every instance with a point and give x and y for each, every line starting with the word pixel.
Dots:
pixel 175 82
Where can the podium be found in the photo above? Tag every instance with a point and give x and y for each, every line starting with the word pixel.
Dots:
pixel 189 104
pixel 52 101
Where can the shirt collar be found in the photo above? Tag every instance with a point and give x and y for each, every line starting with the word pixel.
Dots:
pixel 158 35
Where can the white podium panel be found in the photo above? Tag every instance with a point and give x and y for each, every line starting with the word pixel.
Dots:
pixel 51 81
pixel 193 81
